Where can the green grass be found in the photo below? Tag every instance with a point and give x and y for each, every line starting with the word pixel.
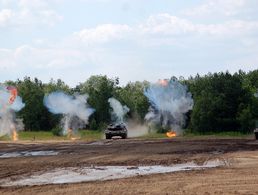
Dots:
pixel 88 135
pixel 154 135
pixel 220 134
pixel 91 135
pixel 34 135
pixel 37 135
pixel 4 138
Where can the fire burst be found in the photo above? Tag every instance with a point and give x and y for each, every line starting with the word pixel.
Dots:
pixel 10 103
pixel 70 135
pixel 163 82
pixel 14 135
pixel 171 134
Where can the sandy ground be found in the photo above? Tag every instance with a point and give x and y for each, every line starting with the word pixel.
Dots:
pixel 240 177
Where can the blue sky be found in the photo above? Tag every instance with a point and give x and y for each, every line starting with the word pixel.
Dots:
pixel 129 39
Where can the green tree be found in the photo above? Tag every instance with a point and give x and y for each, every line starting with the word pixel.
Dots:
pixel 58 85
pixel 217 99
pixel 246 120
pixel 132 95
pixel 100 89
pixel 35 116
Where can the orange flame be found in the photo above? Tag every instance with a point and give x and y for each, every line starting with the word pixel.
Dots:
pixel 171 134
pixel 14 135
pixel 70 134
pixel 163 82
pixel 13 92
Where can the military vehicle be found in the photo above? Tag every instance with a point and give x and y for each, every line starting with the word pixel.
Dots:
pixel 256 130
pixel 116 130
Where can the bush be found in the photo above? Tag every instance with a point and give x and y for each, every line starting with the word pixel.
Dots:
pixel 93 125
pixel 57 131
pixel 161 129
pixel 102 126
pixel 246 120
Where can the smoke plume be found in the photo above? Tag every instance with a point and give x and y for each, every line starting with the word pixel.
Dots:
pixel 9 104
pixel 118 111
pixel 170 101
pixel 136 129
pixel 75 109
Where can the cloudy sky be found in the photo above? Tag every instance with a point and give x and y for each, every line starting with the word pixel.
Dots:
pixel 129 39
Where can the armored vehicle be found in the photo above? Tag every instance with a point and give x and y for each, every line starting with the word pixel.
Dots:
pixel 116 130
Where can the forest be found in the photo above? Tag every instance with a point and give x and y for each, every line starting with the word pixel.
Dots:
pixel 222 101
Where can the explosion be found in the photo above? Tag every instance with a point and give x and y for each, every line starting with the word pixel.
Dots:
pixel 171 134
pixel 163 82
pixel 14 135
pixel 170 101
pixel 74 109
pixel 10 103
pixel 118 111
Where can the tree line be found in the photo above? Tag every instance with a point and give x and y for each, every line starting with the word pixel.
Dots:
pixel 222 101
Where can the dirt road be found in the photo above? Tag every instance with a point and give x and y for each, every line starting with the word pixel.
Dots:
pixel 241 177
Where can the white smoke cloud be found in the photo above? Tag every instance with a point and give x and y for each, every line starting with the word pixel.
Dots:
pixel 118 110
pixel 8 122
pixel 75 109
pixel 136 129
pixel 170 101
pixel 256 95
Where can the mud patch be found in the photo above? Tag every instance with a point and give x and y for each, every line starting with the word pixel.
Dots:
pixel 28 153
pixel 100 173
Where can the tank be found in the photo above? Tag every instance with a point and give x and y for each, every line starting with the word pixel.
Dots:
pixel 116 130
pixel 256 130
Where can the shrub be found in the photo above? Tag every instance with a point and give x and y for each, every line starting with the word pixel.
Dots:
pixel 57 131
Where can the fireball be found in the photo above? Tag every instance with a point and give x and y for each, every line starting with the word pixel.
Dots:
pixel 13 94
pixel 171 134
pixel 14 135
pixel 163 82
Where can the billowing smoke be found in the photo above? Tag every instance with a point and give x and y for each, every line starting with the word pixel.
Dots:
pixel 9 104
pixel 118 111
pixel 136 129
pixel 256 95
pixel 170 101
pixel 75 110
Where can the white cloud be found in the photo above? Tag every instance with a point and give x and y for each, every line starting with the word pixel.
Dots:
pixel 163 27
pixel 224 7
pixel 27 13
pixel 28 57
pixel 165 24
pixel 5 17
pixel 49 17
pixel 103 33
pixel 151 44
pixel 33 4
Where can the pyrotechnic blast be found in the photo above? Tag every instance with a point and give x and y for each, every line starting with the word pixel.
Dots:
pixel 75 110
pixel 9 104
pixel 170 101
pixel 118 110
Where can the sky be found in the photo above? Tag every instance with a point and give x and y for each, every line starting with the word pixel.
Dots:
pixel 134 40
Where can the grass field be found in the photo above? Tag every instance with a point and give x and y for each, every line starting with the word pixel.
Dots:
pixel 91 135
pixel 87 135
pixel 227 134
